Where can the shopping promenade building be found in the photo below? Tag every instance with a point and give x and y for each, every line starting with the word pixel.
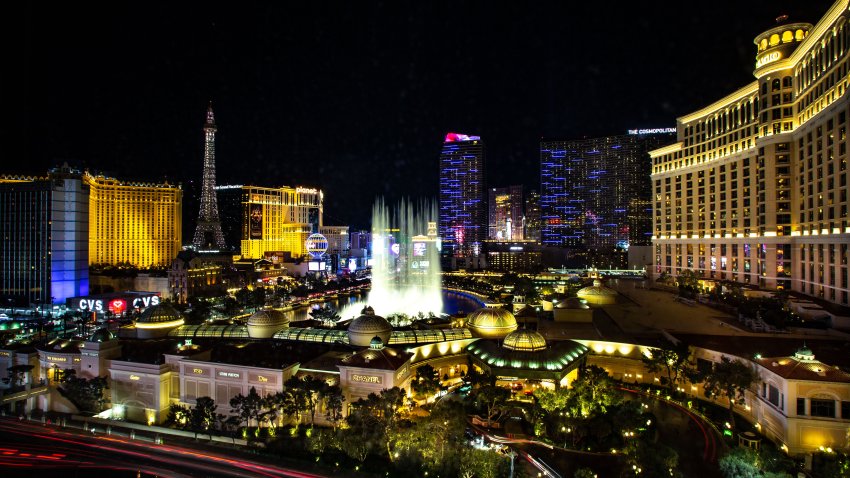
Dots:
pixel 755 188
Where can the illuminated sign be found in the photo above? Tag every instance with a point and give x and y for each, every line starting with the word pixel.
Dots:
pixel 768 58
pixel 56 359
pixel 419 248
pixel 255 224
pixel 452 137
pixel 229 374
pixel 135 377
pixel 652 131
pixel 366 378
pixel 91 304
pixel 516 248
pixel 352 264
pixel 395 248
pixel 4 354
pixel 315 266
pixel 117 306
pixel 306 190
pixel 198 371
pixel 260 378
pixel 146 301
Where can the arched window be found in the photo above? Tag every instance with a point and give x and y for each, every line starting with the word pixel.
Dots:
pixel 787 36
pixel 799 35
pixel 764 88
pixel 763 44
pixel 774 85
pixel 774 39
pixel 786 82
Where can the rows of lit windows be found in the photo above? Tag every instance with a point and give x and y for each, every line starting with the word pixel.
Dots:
pixel 790 186
pixel 132 223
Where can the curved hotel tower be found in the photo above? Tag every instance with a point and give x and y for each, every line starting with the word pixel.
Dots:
pixel 755 189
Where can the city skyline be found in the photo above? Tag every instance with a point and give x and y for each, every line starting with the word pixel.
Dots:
pixel 134 98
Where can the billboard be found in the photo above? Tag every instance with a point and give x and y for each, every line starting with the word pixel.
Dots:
pixel 419 249
pixel 316 266
pixel 255 221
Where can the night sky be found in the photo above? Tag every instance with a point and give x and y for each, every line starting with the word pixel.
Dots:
pixel 356 97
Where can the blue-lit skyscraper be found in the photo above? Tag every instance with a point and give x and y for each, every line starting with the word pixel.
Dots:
pixel 595 194
pixel 44 237
pixel 463 212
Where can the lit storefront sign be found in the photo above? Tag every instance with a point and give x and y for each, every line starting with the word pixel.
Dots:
pixel 134 377
pixel 56 359
pixel 229 374
pixel 198 371
pixel 116 306
pixel 367 378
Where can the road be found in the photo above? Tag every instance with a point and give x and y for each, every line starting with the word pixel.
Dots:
pixel 28 446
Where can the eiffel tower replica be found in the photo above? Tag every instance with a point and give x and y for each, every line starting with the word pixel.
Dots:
pixel 208 236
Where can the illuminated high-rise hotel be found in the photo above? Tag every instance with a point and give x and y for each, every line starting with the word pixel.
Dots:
pixel 505 213
pixel 463 214
pixel 594 193
pixel 279 220
pixel 755 188
pixel 44 237
pixel 133 223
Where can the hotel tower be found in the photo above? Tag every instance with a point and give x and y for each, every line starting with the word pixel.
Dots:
pixel 755 189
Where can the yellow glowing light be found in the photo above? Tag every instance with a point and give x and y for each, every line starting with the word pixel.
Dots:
pixel 159 325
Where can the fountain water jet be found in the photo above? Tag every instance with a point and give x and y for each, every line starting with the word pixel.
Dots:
pixel 405 261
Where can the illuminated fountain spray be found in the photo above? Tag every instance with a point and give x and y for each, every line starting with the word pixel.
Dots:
pixel 405 261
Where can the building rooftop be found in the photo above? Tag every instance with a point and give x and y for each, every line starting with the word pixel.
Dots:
pixel 384 358
pixel 831 352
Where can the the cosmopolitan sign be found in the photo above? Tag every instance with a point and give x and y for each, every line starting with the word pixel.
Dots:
pixel 652 131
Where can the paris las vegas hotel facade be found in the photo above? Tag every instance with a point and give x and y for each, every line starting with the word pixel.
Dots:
pixel 755 190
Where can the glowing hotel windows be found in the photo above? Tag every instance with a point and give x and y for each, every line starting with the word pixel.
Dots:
pixel 135 223
pixel 784 135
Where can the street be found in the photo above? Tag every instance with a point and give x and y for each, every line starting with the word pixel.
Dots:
pixel 27 446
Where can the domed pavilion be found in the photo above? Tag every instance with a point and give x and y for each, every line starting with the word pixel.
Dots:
pixel 597 294
pixel 363 329
pixel 491 322
pixel 157 321
pixel 265 322
pixel 526 355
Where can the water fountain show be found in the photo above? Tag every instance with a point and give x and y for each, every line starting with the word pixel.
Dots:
pixel 405 261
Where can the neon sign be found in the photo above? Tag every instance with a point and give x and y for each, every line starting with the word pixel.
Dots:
pixel 652 131
pixel 768 58
pixel 306 190
pixel 452 137
pixel 134 377
pixel 117 306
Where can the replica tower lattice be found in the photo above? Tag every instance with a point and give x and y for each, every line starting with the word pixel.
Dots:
pixel 208 233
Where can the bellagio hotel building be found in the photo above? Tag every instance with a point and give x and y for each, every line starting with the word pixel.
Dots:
pixel 755 189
